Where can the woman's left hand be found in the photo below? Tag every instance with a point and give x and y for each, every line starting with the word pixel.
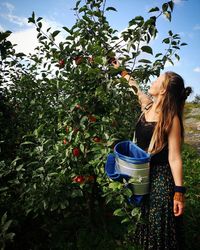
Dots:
pixel 179 203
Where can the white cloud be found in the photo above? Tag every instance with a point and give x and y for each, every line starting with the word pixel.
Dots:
pixel 26 39
pixel 197 27
pixel 177 1
pixel 26 35
pixel 197 69
pixel 8 15
pixel 10 7
pixel 1 28
pixel 21 21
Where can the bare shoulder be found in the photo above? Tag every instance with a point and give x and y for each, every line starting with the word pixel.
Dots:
pixel 176 126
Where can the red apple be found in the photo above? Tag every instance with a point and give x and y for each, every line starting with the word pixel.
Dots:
pixel 92 118
pixel 78 60
pixel 79 179
pixel 61 63
pixel 76 152
pixel 78 106
pixel 90 59
pixel 96 139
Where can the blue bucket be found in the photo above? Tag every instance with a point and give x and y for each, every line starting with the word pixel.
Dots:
pixel 132 161
pixel 113 174
pixel 130 152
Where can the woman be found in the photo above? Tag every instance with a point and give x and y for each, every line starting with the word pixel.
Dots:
pixel 160 132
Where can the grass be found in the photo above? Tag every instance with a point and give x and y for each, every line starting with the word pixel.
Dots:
pixel 191 163
pixel 188 110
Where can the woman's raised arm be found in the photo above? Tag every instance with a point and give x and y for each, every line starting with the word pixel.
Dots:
pixel 144 99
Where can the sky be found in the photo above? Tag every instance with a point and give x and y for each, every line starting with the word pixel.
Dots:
pixel 185 21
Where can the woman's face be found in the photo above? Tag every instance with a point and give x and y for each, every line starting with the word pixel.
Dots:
pixel 157 86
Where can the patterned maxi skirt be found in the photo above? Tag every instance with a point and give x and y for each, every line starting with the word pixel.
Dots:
pixel 161 230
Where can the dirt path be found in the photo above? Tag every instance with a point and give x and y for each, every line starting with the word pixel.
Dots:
pixel 192 125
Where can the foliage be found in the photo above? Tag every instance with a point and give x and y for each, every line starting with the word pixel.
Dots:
pixel 64 108
pixel 196 99
pixel 191 161
pixel 4 235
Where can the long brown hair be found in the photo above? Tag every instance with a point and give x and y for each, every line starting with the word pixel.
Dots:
pixel 170 105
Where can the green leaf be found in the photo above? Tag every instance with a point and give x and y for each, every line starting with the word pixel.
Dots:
pixel 68 30
pixel 135 212
pixel 49 159
pixel 164 7
pixel 159 54
pixel 97 13
pixel 183 44
pixel 20 55
pixel 168 15
pixel 115 185
pixel 166 40
pixel 27 143
pixel 170 60
pixel 171 5
pixel 125 220
pixel 10 236
pixel 20 167
pixel 174 43
pixel 3 189
pixel 84 8
pixel 82 148
pixel 119 212
pixel 32 18
pixel 132 22
pixel 39 18
pixel 175 47
pixel 144 61
pixel 4 35
pixel 77 3
pixel 6 225
pixel 170 33
pixel 147 49
pixel 13 163
pixel 40 25
pixel 4 218
pixel 55 33
pixel 87 19
pixel 154 9
pixel 177 57
pixel 139 18
pixel 110 8
pixel 33 15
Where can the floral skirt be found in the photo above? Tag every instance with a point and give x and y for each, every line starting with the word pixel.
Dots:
pixel 160 229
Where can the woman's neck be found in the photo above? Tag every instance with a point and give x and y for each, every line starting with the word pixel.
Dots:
pixel 156 104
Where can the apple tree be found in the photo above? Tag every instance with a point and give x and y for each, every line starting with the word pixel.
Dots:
pixel 70 108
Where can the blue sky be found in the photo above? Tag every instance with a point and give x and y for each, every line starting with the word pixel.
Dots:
pixel 185 21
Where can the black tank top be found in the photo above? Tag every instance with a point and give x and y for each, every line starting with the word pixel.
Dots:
pixel 143 132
